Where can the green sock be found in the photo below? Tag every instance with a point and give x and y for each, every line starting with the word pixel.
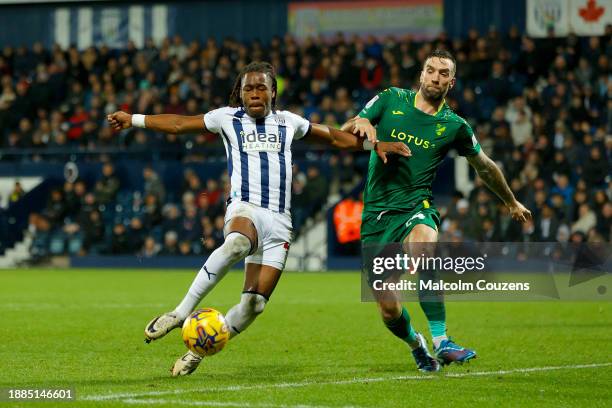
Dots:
pixel 432 303
pixel 401 327
pixel 436 317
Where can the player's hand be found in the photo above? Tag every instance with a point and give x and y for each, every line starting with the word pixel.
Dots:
pixel 120 120
pixel 384 148
pixel 519 212
pixel 363 128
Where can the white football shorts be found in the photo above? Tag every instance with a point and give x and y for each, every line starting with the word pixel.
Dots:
pixel 274 233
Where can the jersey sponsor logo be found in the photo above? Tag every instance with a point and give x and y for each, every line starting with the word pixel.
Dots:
pixel 397 112
pixel 260 142
pixel 411 139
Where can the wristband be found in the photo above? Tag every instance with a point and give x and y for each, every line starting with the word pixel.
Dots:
pixel 367 145
pixel 138 121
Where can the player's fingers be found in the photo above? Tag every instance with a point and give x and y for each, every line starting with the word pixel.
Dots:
pixel 400 148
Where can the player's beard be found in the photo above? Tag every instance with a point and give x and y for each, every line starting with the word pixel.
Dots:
pixel 433 97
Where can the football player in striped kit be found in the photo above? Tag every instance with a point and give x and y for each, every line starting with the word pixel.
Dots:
pixel 258 140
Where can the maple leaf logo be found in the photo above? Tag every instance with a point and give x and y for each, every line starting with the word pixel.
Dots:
pixel 591 12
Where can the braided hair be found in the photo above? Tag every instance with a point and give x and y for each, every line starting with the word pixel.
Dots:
pixel 235 101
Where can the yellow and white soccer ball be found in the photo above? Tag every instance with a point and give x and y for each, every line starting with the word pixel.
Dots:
pixel 205 332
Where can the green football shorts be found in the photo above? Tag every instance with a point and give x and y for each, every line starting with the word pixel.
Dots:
pixel 383 233
pixel 389 227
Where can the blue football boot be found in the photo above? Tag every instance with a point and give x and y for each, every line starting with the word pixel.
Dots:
pixel 450 352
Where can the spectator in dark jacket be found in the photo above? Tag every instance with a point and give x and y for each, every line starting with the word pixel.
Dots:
pixel 56 208
pixel 596 168
pixel 152 184
pixel 120 243
pixel 107 187
pixel 170 244
pixel 93 231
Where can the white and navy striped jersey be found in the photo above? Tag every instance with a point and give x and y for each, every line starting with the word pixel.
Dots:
pixel 258 154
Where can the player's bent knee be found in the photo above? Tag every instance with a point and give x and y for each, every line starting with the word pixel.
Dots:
pixel 390 310
pixel 236 245
pixel 254 303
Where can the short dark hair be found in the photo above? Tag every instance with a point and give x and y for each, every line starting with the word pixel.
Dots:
pixel 443 54
pixel 265 68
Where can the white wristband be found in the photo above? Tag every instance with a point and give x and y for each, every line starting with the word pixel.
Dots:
pixel 138 120
pixel 367 145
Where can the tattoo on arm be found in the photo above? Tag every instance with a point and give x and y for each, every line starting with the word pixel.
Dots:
pixel 492 176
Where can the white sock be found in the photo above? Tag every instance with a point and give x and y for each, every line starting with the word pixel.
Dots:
pixel 439 339
pixel 235 247
pixel 240 316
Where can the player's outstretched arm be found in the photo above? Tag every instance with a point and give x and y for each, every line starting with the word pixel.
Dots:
pixel 165 123
pixel 494 179
pixel 347 141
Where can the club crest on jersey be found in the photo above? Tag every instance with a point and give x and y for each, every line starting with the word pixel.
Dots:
pixel 260 142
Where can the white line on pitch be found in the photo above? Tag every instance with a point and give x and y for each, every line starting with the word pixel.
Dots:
pixel 223 404
pixel 117 396
pixel 44 306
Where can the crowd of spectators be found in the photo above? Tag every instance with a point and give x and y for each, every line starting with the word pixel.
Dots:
pixel 106 220
pixel 542 108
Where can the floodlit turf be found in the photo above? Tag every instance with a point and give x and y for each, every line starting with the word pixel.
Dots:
pixel 316 345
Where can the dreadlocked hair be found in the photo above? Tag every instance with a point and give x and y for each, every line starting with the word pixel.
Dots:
pixel 265 68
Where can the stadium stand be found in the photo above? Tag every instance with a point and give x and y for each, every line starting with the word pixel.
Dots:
pixel 541 108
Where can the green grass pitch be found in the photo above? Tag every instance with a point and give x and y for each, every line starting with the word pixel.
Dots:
pixel 316 345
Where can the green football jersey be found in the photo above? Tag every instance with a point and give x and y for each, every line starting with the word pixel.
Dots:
pixel 406 181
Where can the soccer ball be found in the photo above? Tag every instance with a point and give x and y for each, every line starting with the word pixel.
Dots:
pixel 205 332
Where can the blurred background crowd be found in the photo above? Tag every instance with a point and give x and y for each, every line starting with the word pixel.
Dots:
pixel 541 108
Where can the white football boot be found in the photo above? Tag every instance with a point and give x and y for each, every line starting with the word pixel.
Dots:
pixel 186 365
pixel 162 325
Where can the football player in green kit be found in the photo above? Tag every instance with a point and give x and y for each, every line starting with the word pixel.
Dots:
pixel 398 201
